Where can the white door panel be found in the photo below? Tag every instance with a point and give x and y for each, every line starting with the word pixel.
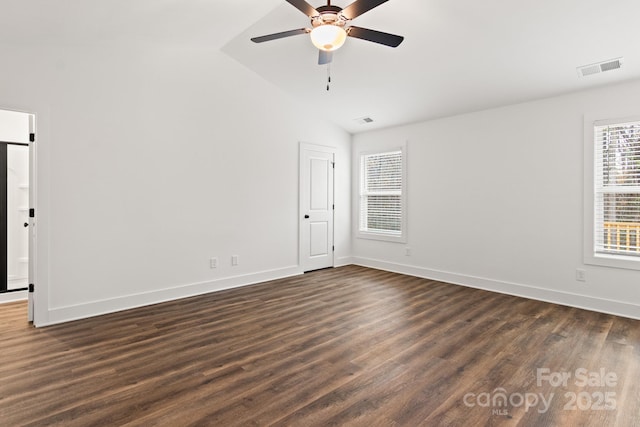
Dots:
pixel 316 207
pixel 319 242
pixel 319 193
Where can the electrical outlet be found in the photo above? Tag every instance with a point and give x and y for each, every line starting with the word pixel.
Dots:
pixel 213 263
pixel 234 260
pixel 407 251
pixel 581 275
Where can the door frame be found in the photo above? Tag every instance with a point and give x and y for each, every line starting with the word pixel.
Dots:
pixel 31 138
pixel 4 213
pixel 33 239
pixel 303 147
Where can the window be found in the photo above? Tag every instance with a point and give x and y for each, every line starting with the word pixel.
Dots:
pixel 615 198
pixel 382 206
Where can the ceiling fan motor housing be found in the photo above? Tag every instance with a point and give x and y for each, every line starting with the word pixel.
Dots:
pixel 329 15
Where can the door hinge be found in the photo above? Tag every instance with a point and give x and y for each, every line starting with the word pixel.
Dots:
pixel 32 137
pixel 334 207
pixel 333 248
pixel 31 287
pixel 333 164
pixel 32 213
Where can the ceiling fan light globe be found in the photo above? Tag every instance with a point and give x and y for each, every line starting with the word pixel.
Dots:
pixel 328 37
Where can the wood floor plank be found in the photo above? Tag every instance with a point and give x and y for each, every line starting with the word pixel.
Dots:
pixel 345 346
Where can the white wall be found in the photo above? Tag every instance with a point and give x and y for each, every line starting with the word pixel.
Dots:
pixel 151 160
pixel 496 201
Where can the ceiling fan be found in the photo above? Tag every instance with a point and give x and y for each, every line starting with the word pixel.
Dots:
pixel 330 27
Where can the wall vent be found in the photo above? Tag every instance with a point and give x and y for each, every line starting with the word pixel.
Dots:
pixel 600 67
pixel 364 120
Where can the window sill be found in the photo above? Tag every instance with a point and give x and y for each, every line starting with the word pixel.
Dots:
pixel 381 236
pixel 613 261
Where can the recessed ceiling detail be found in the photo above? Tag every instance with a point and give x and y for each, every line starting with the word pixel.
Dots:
pixel 364 120
pixel 600 67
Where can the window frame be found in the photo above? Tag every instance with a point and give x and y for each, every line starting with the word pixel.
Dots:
pixel 590 256
pixel 379 235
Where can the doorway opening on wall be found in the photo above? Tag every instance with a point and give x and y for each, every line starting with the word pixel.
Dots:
pixel 16 222
pixel 14 217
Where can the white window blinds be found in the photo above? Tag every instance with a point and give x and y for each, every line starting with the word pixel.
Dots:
pixel 617 189
pixel 381 193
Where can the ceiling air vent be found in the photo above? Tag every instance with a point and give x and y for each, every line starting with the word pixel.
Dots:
pixel 600 67
pixel 364 120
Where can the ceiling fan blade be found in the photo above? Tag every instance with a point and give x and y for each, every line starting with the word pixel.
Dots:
pixel 324 57
pixel 304 7
pixel 386 39
pixel 359 7
pixel 275 36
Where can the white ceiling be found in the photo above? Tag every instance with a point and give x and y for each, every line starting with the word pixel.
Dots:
pixel 457 56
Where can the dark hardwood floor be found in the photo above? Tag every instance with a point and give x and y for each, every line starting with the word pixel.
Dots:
pixel 345 346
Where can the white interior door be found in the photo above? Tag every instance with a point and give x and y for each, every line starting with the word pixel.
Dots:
pixel 316 206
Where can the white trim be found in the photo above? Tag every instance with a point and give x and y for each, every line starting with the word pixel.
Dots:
pixel 305 146
pixel 616 121
pixel 97 308
pixel 344 261
pixel 34 247
pixel 6 297
pixel 33 230
pixel 589 255
pixel 618 308
pixel 382 236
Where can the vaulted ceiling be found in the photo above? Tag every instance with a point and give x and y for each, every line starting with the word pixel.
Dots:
pixel 458 55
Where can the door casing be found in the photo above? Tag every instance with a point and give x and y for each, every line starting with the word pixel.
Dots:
pixel 307 261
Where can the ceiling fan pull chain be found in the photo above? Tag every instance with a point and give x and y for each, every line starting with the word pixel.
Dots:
pixel 328 75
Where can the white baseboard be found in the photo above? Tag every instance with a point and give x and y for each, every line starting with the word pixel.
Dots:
pixel 13 296
pixel 97 308
pixel 618 308
pixel 342 261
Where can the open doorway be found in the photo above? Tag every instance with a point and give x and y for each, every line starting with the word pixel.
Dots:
pixel 14 218
pixel 16 133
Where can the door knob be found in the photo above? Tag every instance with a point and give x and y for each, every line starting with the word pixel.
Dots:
pixel 26 224
pixel 306 217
